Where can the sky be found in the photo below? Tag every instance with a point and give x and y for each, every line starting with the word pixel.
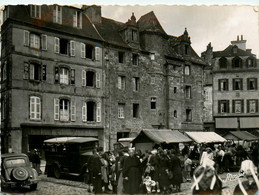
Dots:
pixel 217 24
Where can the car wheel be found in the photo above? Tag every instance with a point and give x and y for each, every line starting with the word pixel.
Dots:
pixel 56 171
pixel 33 186
pixel 20 174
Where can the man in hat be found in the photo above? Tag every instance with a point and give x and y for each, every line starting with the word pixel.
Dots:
pixel 95 166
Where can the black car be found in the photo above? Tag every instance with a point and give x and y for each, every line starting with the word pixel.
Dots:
pixel 16 171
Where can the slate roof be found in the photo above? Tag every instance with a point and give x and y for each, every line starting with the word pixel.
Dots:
pixel 228 52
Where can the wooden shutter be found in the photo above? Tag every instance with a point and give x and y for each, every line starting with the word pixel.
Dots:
pixel 98 112
pixel 247 106
pixel 226 84
pixel 26 70
pixel 256 105
pixel 32 108
pixel 44 42
pixel 80 23
pixel 75 19
pixel 44 72
pixel 97 53
pixel 82 50
pixel 26 38
pixel 227 106
pixel 233 84
pixel 219 83
pixel 242 106
pixel 241 84
pixel 233 106
pixel 219 108
pixel 73 111
pixel 72 48
pixel 55 14
pixel 56 109
pixel 56 47
pixel 72 77
pixel 84 112
pixel 98 80
pixel 56 75
pixel 248 84
pixel 256 84
pixel 83 78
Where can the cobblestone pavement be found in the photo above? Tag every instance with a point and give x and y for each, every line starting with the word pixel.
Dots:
pixel 52 186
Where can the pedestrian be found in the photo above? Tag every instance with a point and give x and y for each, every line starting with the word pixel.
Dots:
pixel 219 159
pixel 187 167
pixel 35 158
pixel 131 173
pixel 176 169
pixel 120 164
pixel 206 181
pixel 251 185
pixel 164 172
pixel 96 170
pixel 153 163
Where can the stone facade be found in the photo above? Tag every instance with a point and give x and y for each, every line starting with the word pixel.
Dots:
pixel 70 72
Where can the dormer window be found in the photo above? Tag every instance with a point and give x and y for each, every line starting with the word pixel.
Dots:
pixel 134 36
pixel 237 62
pixel 186 49
pixel 223 63
pixel 235 50
pixel 250 62
pixel 57 14
pixel 35 11
pixel 77 19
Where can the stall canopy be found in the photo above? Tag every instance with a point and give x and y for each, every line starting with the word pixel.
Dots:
pixel 205 137
pixel 162 136
pixel 240 135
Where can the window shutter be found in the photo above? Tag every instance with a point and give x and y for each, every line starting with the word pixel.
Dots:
pixel 56 75
pixel 72 76
pixel 26 71
pixel 97 53
pixel 233 84
pixel 119 82
pixel 32 108
pixel 98 112
pixel 248 86
pixel 39 11
pixel 44 42
pixel 26 38
pixel 56 109
pixel 44 72
pixel 256 84
pixel 73 111
pixel 227 106
pixel 241 84
pixel 256 105
pixel 227 84
pixel 242 106
pixel 219 85
pixel 75 20
pixel 83 78
pixel 98 80
pixel 72 48
pixel 60 16
pixel 32 71
pixel 55 14
pixel 80 23
pixel 233 106
pixel 56 49
pixel 82 50
pixel 84 113
pixel 247 106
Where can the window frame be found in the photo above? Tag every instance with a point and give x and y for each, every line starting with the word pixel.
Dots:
pixel 187 70
pixel 188 115
pixel 35 108
pixel 136 84
pixel 235 83
pixel 121 110
pixel 153 101
pixel 234 106
pixel 34 9
pixel 223 85
pixel 255 83
pixel 220 102
pixel 188 91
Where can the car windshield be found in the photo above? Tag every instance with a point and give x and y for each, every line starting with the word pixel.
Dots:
pixel 14 162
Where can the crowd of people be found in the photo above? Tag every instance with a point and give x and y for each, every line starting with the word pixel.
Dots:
pixel 163 171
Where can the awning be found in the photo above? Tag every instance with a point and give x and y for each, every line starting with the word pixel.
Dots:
pixel 205 137
pixel 249 122
pixel 163 136
pixel 226 123
pixel 240 135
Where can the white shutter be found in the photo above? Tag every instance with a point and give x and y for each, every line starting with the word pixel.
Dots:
pixel 134 84
pixel 84 113
pixel 38 108
pixel 32 71
pixel 72 48
pixel 98 112
pixel 55 14
pixel 56 49
pixel 82 50
pixel 56 109
pixel 83 78
pixel 73 111
pixel 26 38
pixel 119 82
pixel 75 20
pixel 98 80
pixel 80 23
pixel 60 15
pixel 39 11
pixel 44 42
pixel 97 53
pixel 32 108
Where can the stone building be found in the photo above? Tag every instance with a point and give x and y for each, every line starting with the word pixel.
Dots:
pixel 69 71
pixel 234 90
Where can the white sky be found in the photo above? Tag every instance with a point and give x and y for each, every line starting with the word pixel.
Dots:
pixel 216 24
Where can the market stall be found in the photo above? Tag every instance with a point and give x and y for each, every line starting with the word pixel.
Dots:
pixel 165 138
pixel 205 137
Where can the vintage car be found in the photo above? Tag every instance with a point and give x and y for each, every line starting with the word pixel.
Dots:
pixel 68 155
pixel 16 171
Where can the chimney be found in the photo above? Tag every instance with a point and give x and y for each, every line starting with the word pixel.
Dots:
pixel 241 37
pixel 241 44
pixel 237 37
pixel 93 12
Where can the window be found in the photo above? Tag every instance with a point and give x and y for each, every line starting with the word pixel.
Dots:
pixel 121 82
pixel 91 79
pixel 35 71
pixel 134 36
pixel 236 62
pixel 35 11
pixel 223 106
pixel 175 113
pixel 206 95
pixel 64 46
pixel 135 110
pixel 35 41
pixel 121 57
pixel 77 19
pixel 57 14
pixel 237 84
pixel 252 84
pixel 250 62
pixel 135 59
pixel 188 92
pixel 187 70
pixel 121 110
pixel 252 106
pixel 153 103
pixel 188 115
pixel 35 108
pixel 235 49
pixel 63 108
pixel 186 49
pixel 237 106
pixel 90 52
pixel 175 89
pixel 91 111
pixel 223 84
pixel 152 56
pixel 223 63
pixel 64 75
pixel 135 81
